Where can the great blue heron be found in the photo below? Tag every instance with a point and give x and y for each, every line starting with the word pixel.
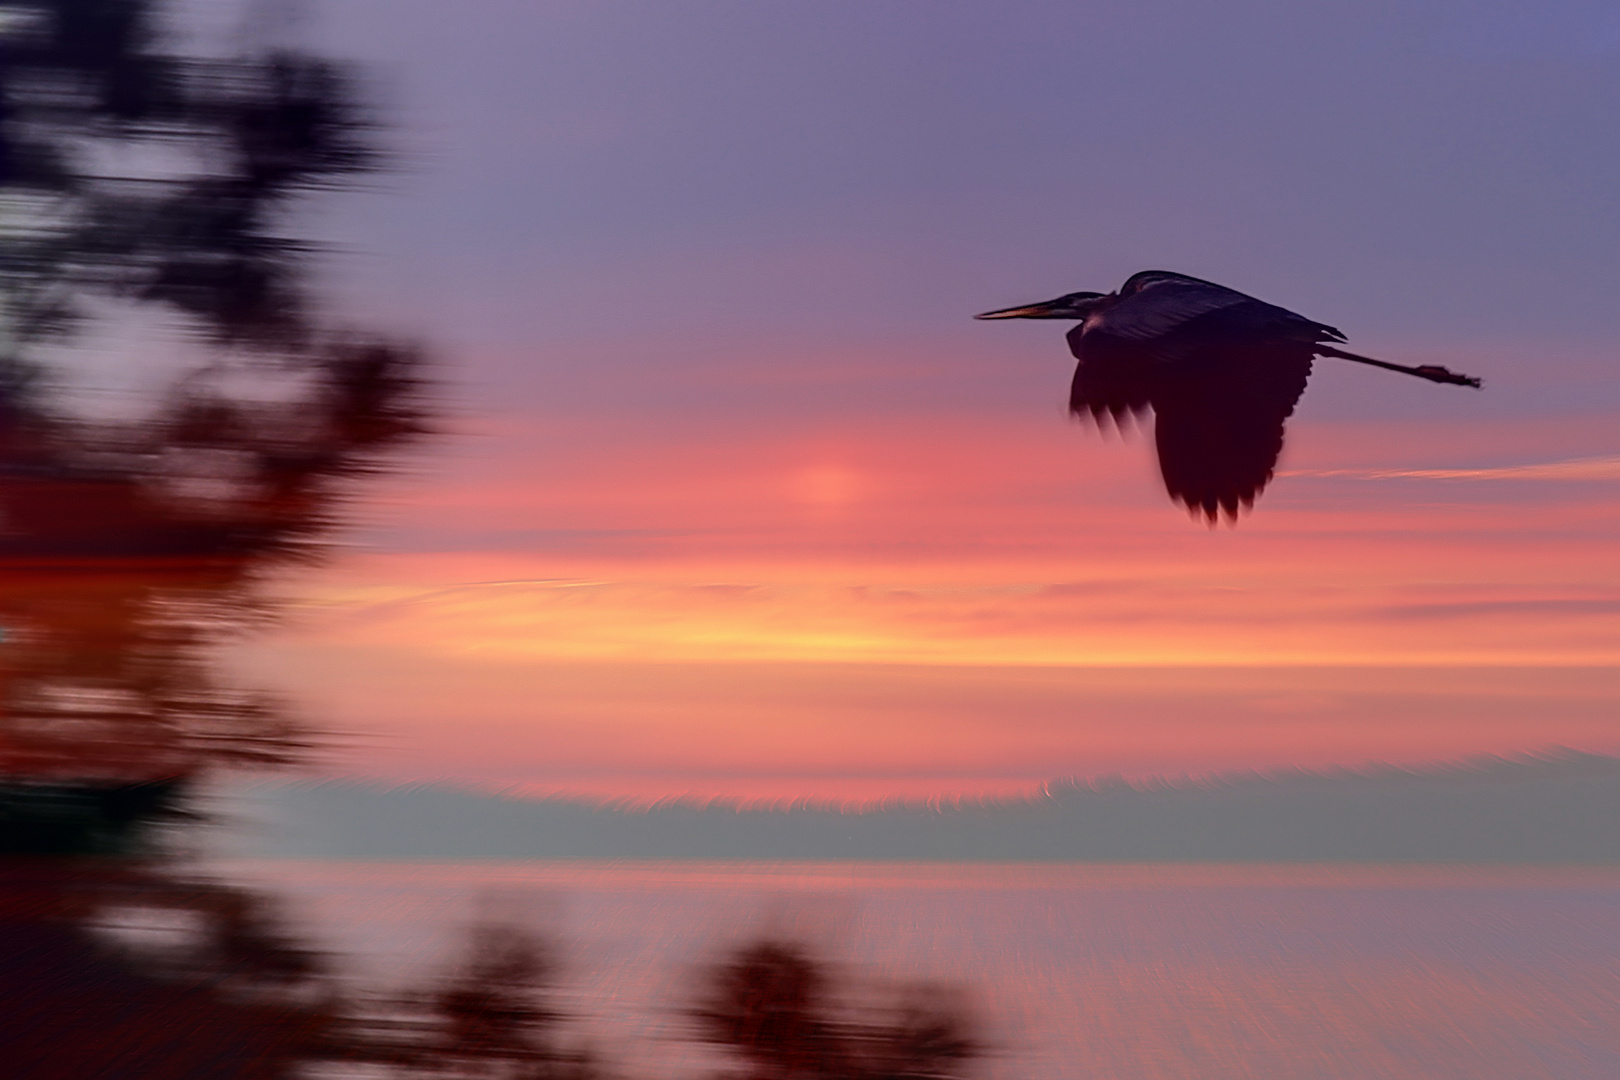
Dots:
pixel 1220 370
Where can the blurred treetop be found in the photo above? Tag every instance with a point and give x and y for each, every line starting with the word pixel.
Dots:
pixel 135 173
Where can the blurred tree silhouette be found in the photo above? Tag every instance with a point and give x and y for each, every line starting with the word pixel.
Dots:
pixel 771 1003
pixel 151 188
pixel 489 1016
pixel 158 182
pixel 140 174
pixel 121 969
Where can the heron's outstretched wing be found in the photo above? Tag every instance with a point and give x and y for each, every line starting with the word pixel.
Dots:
pixel 1219 426
pixel 1112 380
pixel 1172 317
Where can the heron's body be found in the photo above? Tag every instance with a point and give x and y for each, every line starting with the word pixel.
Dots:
pixel 1220 370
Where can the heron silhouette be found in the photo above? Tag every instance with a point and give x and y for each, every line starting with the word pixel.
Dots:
pixel 1221 371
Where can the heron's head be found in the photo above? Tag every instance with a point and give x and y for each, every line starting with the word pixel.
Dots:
pixel 1076 305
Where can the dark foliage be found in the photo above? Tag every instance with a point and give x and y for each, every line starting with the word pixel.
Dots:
pixel 138 180
pixel 86 996
pixel 773 1005
pixel 156 180
pixel 228 144
pixel 489 1016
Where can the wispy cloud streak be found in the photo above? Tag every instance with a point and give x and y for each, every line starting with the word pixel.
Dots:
pixel 1574 469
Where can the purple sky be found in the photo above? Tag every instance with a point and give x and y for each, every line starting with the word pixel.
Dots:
pixel 1416 172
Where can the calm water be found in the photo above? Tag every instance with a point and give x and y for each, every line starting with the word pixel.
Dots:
pixel 1137 973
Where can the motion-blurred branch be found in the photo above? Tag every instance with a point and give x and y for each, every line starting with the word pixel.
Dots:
pixel 135 173
pixel 158 181
pixel 773 1004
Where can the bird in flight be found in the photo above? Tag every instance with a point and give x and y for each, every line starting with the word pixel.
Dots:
pixel 1221 371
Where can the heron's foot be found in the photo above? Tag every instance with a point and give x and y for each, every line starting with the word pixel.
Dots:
pixel 1435 373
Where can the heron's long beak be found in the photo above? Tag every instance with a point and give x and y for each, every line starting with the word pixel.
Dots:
pixel 1028 311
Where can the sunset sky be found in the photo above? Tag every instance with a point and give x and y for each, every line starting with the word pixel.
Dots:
pixel 739 500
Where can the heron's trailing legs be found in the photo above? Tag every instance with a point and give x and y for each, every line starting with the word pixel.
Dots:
pixel 1432 372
